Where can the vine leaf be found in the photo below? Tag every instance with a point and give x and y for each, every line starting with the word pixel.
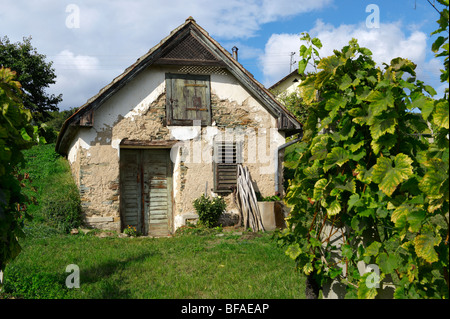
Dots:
pixel 435 178
pixel 440 117
pixel 367 287
pixel 334 104
pixel 424 104
pixel 425 242
pixel 387 263
pixel 319 187
pixel 388 174
pixel 330 64
pixel 334 208
pixel 383 126
pixel 337 156
pixel 373 249
pixel 380 101
pixel 346 82
pixel 294 251
pixel 363 175
pixel 319 150
pixel 400 214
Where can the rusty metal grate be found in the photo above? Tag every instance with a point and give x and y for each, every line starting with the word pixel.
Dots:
pixel 190 49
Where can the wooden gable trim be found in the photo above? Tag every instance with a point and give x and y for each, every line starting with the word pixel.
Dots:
pixel 126 143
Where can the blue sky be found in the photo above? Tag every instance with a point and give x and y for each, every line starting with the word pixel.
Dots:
pixel 107 36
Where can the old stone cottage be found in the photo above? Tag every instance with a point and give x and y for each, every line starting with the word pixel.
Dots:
pixel 173 125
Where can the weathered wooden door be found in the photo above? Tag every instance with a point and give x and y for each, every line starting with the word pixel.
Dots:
pixel 146 190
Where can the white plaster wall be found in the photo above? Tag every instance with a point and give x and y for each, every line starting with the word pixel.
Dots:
pixel 135 98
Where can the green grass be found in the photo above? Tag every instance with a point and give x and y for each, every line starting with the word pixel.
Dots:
pixel 185 266
pixel 56 205
pixel 196 263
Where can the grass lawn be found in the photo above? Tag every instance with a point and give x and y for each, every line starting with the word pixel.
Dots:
pixel 196 263
pixel 183 266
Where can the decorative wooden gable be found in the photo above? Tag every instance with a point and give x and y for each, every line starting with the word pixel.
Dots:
pixel 188 49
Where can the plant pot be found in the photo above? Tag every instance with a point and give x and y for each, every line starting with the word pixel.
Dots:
pixel 272 215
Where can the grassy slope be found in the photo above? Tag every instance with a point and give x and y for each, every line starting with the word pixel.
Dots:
pixel 187 266
pixel 183 266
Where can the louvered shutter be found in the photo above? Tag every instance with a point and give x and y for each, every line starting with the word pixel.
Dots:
pixel 226 157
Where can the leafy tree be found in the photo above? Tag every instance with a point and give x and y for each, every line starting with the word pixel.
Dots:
pixel 369 171
pixel 34 74
pixel 16 134
pixel 294 103
pixel 50 129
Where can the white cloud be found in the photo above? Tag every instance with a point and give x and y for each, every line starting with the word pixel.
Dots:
pixel 79 77
pixel 387 42
pixel 113 34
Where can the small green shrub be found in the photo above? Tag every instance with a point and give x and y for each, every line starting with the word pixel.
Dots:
pixel 34 284
pixel 273 198
pixel 209 210
pixel 131 231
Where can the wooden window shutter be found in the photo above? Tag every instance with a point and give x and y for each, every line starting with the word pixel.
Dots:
pixel 188 98
pixel 226 157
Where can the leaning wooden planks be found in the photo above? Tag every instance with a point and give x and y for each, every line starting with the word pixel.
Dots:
pixel 247 202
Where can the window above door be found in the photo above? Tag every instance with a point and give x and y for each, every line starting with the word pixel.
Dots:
pixel 188 99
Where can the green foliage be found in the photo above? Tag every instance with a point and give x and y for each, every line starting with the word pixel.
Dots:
pixel 294 103
pixel 308 52
pixel 50 129
pixel 440 45
pixel 57 204
pixel 61 206
pixel 367 164
pixel 34 74
pixel 34 284
pixel 209 210
pixel 131 231
pixel 16 134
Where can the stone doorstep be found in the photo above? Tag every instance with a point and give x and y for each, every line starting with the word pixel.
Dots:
pixel 99 219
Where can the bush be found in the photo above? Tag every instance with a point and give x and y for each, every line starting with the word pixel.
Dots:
pixel 209 210
pixel 34 284
pixel 62 207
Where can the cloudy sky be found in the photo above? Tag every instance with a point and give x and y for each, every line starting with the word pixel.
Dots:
pixel 91 42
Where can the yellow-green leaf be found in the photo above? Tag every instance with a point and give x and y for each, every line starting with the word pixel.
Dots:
pixel 441 114
pixel 363 175
pixel 380 101
pixel 435 178
pixel 334 208
pixel 383 126
pixel 337 156
pixel 425 242
pixel 294 251
pixel 319 187
pixel 388 174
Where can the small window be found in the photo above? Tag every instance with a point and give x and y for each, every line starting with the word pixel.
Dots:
pixel 226 157
pixel 188 98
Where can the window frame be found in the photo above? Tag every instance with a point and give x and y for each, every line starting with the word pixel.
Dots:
pixel 170 79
